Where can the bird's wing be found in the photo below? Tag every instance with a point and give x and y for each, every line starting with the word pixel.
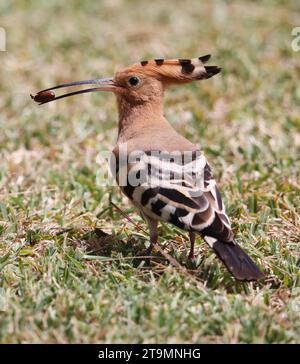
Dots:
pixel 180 189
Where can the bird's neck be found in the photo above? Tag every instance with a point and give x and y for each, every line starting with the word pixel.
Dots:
pixel 143 127
pixel 137 119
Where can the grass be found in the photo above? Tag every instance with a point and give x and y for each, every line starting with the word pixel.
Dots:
pixel 70 262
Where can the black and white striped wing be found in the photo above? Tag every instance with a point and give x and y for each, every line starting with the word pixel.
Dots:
pixel 182 191
pixel 178 189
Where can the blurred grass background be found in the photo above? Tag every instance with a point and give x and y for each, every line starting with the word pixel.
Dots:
pixel 62 279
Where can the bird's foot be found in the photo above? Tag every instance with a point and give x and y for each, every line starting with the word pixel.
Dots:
pixel 191 257
pixel 147 256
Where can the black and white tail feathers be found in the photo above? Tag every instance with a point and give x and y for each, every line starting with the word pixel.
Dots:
pixel 239 264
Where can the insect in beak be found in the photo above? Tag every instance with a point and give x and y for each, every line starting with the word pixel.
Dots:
pixel 47 95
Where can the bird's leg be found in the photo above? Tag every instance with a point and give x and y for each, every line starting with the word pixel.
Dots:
pixel 153 236
pixel 192 241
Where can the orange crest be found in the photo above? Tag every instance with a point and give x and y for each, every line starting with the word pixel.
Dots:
pixel 176 70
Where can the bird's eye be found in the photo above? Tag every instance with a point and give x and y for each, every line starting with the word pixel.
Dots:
pixel 133 81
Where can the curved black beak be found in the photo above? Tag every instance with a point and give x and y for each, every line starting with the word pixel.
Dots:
pixel 46 95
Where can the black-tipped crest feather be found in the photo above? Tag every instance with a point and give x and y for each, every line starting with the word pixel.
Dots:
pixel 212 70
pixel 205 58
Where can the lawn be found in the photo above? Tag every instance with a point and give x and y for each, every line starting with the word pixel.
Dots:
pixel 71 269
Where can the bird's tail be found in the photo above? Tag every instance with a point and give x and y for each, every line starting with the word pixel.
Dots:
pixel 239 264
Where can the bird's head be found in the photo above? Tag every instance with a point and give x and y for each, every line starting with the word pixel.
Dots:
pixel 141 82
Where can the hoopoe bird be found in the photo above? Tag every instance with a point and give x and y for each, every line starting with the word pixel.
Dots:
pixel 166 176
